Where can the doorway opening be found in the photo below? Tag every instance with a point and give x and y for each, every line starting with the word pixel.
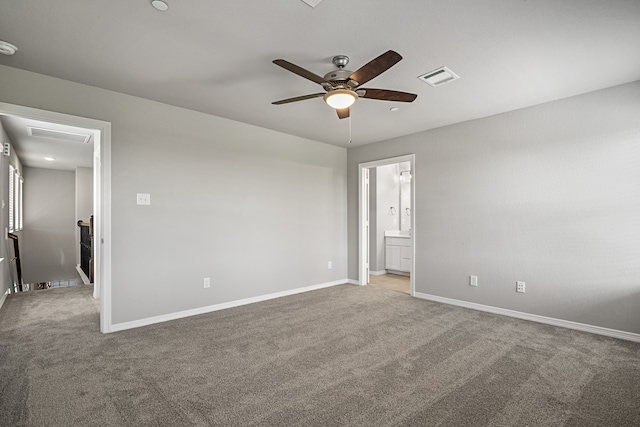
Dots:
pixel 386 222
pixel 101 194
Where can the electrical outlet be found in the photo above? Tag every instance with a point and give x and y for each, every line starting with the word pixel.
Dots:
pixel 473 280
pixel 143 198
pixel 207 282
pixel 330 265
pixel 520 287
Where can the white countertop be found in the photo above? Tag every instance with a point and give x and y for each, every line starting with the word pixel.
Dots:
pixel 397 233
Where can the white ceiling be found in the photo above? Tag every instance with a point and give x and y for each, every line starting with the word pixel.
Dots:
pixel 32 150
pixel 215 56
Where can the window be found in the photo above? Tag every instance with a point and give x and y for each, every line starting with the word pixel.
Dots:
pixel 15 200
pixel 20 210
pixel 12 173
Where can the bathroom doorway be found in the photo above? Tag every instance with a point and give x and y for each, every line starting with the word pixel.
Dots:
pixel 387 223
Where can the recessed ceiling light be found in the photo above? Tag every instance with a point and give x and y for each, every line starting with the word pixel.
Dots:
pixel 50 159
pixel 160 5
pixel 393 109
pixel 7 48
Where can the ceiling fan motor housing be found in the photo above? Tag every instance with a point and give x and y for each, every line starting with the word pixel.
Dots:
pixel 338 75
pixel 339 78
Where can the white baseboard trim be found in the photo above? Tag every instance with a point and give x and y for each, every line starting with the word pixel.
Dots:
pixel 399 273
pixel 623 335
pixel 4 297
pixel 353 282
pixel 83 276
pixel 208 309
pixel 378 273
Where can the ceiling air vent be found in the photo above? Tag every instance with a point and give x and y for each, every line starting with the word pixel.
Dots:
pixel 59 135
pixel 439 76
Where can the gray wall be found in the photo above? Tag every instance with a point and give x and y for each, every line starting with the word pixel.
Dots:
pixel 5 272
pixel 256 210
pixel 48 246
pixel 549 195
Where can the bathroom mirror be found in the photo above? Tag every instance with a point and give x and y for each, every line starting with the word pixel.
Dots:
pixel 405 198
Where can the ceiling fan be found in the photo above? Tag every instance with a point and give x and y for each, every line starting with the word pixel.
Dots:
pixel 342 87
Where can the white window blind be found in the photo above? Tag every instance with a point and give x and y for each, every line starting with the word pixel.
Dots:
pixel 11 197
pixel 15 200
pixel 20 204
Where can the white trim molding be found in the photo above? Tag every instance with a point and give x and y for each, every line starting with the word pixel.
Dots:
pixel 4 297
pixel 210 308
pixel 377 273
pixel 82 274
pixel 599 330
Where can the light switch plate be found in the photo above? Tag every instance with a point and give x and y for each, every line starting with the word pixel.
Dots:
pixel 144 199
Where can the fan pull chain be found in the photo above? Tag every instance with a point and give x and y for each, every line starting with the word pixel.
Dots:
pixel 349 127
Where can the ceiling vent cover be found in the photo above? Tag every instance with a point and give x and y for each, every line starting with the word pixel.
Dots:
pixel 58 135
pixel 439 76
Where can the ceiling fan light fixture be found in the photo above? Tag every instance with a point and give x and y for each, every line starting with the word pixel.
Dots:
pixel 340 98
pixel 7 48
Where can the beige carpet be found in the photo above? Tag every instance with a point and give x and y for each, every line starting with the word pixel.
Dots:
pixel 342 356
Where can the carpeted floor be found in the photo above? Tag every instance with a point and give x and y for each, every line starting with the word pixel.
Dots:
pixel 342 356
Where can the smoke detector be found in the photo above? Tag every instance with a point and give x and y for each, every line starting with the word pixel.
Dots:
pixel 160 5
pixel 439 76
pixel 7 48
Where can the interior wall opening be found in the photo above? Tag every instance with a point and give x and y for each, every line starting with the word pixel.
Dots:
pixel 386 224
pixel 99 160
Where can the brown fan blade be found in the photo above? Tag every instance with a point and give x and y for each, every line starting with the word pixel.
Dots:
pixel 376 67
pixel 299 71
pixel 298 98
pixel 387 95
pixel 343 113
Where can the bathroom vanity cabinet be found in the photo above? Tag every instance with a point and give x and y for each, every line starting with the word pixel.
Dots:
pixel 398 254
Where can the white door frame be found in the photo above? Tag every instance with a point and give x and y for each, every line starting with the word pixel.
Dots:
pixel 101 197
pixel 363 210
